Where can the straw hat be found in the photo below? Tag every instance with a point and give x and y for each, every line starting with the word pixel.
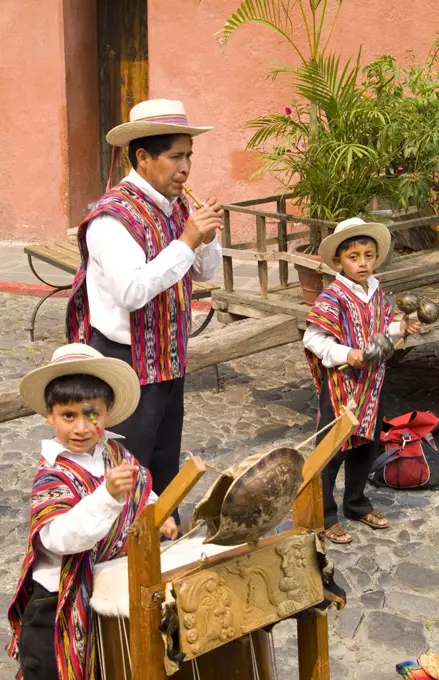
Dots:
pixel 79 359
pixel 355 226
pixel 154 117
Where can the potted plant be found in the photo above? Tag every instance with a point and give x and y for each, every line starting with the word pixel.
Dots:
pixel 409 95
pixel 344 142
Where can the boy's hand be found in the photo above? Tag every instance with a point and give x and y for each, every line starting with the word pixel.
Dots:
pixel 120 479
pixel 169 528
pixel 409 326
pixel 356 358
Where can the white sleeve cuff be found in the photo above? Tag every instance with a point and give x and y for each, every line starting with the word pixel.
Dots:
pixel 102 495
pixel 394 330
pixel 203 246
pixel 338 354
pixel 152 498
pixel 183 250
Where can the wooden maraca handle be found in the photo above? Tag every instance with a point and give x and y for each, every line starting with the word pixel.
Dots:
pixel 397 344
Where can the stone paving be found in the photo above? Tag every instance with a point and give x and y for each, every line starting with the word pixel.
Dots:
pixel 391 577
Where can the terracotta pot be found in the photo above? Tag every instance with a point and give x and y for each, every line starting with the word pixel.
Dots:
pixel 310 279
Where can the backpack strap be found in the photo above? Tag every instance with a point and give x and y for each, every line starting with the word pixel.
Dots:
pixel 384 459
pixel 389 454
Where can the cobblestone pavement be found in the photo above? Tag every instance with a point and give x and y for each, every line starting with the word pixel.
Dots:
pixel 391 577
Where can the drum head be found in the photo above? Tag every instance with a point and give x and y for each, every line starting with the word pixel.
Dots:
pixel 246 508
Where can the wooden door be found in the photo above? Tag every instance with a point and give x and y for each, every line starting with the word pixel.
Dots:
pixel 123 70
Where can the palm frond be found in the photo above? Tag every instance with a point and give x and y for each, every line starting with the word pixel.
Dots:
pixel 330 87
pixel 273 127
pixel 273 14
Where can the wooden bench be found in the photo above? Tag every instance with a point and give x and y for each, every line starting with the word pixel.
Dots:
pixel 64 255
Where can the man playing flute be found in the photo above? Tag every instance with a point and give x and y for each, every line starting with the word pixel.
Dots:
pixel 141 247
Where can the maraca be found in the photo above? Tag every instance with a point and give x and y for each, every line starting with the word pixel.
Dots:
pixel 408 302
pixel 428 311
pixel 379 348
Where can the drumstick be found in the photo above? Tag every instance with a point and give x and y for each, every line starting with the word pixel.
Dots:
pixel 89 412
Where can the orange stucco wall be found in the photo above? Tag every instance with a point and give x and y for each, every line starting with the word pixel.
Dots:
pixel 228 88
pixel 43 67
pixel 49 160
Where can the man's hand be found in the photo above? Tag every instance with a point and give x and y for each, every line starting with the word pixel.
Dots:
pixel 409 326
pixel 120 479
pixel 169 528
pixel 202 224
pixel 356 358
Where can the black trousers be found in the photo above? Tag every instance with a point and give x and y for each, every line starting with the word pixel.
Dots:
pixel 358 463
pixel 37 640
pixel 153 432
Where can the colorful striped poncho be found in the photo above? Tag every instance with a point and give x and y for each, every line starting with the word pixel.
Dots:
pixel 56 490
pixel 352 322
pixel 160 330
pixel 412 670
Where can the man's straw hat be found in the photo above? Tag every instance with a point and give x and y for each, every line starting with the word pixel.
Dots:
pixel 355 226
pixel 154 117
pixel 79 359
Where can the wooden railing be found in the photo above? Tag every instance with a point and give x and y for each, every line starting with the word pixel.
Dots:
pixel 245 251
pixel 258 250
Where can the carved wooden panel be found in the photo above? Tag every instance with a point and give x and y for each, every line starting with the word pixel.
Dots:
pixel 224 602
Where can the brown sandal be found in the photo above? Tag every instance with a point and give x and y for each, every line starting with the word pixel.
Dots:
pixel 370 523
pixel 335 533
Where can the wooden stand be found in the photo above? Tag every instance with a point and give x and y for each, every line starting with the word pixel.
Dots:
pixel 312 632
pixel 144 573
pixel 146 589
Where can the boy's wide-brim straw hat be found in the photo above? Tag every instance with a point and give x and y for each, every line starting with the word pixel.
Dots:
pixel 355 226
pixel 154 117
pixel 77 359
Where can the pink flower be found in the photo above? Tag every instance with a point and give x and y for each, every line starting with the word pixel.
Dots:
pixel 288 111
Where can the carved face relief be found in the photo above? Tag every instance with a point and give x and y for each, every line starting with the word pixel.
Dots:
pixel 208 617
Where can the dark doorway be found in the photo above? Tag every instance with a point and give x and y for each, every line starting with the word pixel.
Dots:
pixel 123 70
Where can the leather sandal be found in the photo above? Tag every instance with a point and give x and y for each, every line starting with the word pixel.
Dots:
pixel 370 523
pixel 335 534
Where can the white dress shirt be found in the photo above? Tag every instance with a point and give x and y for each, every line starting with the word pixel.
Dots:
pixel 119 280
pixel 81 527
pixel 325 346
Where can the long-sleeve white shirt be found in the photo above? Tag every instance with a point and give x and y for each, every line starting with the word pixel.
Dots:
pixel 81 527
pixel 325 346
pixel 119 280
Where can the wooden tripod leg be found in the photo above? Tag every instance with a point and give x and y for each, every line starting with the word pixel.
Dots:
pixel 144 572
pixel 144 575
pixel 312 632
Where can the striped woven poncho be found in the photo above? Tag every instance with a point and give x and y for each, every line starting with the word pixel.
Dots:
pixel 339 312
pixel 160 330
pixel 56 490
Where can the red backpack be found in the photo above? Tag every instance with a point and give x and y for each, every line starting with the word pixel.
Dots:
pixel 411 452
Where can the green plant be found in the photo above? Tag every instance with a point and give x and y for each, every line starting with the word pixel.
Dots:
pixel 319 149
pixel 410 97
pixel 331 169
pixel 277 15
pixel 346 137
